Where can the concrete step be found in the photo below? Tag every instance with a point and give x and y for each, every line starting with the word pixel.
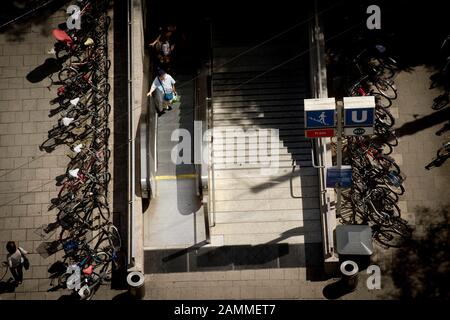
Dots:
pixel 274 193
pixel 256 91
pixel 267 204
pixel 274 76
pixel 257 104
pixel 293 236
pixel 252 173
pixel 291 142
pixel 221 156
pixel 295 121
pixel 228 52
pixel 257 184
pixel 283 153
pixel 299 96
pixel 284 131
pixel 257 115
pixel 281 126
pixel 248 228
pixel 259 109
pixel 267 216
pixel 254 85
pixel 262 68
pixel 222 165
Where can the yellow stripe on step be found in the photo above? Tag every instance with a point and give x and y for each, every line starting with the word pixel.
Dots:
pixel 178 176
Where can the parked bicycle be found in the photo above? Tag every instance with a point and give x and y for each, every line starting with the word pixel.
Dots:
pixel 441 156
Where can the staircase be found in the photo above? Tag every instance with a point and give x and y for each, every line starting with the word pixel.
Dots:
pixel 262 88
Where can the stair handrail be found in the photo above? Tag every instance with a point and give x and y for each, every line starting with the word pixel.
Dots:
pixel 319 146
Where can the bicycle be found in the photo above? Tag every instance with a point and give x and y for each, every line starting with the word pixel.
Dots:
pixel 441 156
pixel 392 238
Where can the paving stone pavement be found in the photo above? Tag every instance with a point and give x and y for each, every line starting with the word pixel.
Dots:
pixel 27 175
pixel 417 147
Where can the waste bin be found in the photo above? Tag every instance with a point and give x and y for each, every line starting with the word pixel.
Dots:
pixel 349 270
pixel 136 284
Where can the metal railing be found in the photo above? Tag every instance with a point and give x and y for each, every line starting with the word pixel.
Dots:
pixel 203 115
pixel 319 146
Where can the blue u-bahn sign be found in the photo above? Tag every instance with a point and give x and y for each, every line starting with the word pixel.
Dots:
pixel 361 117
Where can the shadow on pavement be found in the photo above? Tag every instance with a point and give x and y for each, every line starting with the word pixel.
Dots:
pixel 125 296
pixel 336 290
pixel 421 270
pixel 423 123
pixel 29 17
pixel 50 66
pixel 69 297
pixel 7 286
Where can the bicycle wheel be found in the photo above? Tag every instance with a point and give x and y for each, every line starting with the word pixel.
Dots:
pixel 385 148
pixel 385 135
pixel 67 75
pixel 389 67
pixel 386 212
pixel 384 116
pixel 391 238
pixel 381 100
pixel 114 236
pixel 389 164
pixel 99 259
pixel 394 183
pixel 440 101
pixel 102 210
pixel 388 193
pixel 49 145
pixel 443 153
pixel 386 89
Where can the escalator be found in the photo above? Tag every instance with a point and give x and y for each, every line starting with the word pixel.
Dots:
pixel 175 218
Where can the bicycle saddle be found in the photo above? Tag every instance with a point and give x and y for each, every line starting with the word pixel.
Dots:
pixel 61 35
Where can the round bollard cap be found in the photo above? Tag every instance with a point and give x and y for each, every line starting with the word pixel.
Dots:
pixel 349 268
pixel 135 279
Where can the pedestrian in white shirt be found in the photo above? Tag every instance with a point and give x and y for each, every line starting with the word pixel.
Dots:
pixel 163 90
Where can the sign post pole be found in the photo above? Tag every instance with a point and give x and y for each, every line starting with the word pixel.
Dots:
pixel 338 153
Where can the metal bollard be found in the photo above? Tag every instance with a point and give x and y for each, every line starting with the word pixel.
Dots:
pixel 349 270
pixel 136 284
